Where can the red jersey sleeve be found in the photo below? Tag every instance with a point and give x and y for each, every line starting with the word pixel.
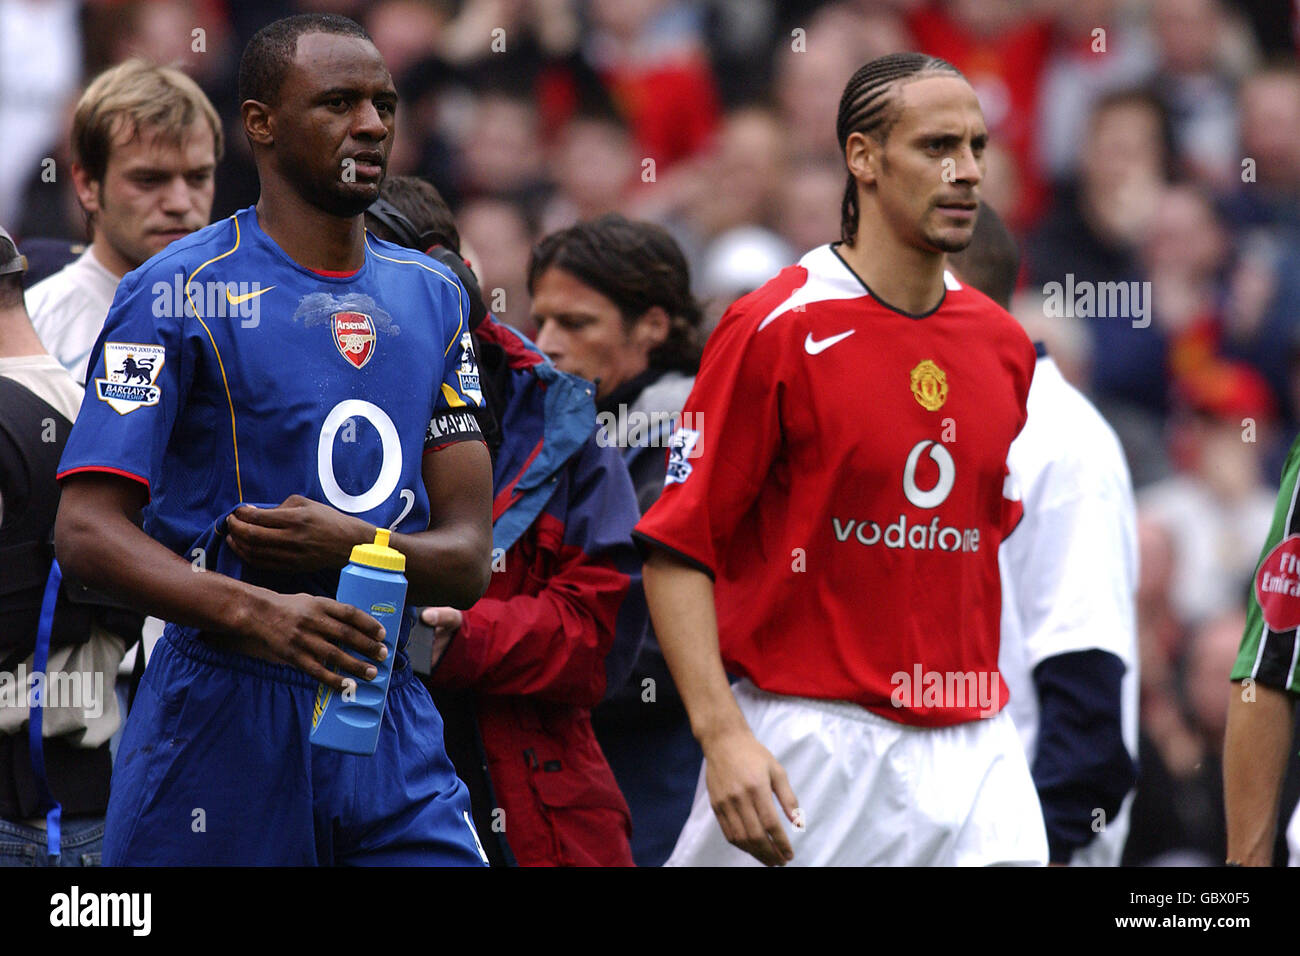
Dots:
pixel 721 450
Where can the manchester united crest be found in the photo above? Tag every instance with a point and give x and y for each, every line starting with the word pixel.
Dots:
pixel 354 334
pixel 929 385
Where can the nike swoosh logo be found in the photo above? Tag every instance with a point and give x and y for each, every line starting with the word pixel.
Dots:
pixel 813 347
pixel 236 299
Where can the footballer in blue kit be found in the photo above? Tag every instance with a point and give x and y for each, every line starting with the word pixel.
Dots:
pixel 265 394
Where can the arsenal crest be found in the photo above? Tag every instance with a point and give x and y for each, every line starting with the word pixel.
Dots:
pixel 354 334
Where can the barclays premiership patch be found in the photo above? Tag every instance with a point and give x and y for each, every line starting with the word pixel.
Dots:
pixel 130 370
pixel 467 371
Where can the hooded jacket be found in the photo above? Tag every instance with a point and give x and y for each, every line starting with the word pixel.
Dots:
pixel 560 625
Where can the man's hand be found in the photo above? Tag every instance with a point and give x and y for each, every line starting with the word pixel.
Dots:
pixel 741 775
pixel 296 535
pixel 445 621
pixel 310 633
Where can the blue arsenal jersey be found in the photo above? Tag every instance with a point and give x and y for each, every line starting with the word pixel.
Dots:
pixel 228 373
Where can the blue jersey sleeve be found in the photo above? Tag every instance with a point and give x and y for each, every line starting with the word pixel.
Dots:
pixel 459 402
pixel 136 382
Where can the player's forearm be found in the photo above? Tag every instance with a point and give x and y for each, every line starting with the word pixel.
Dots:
pixel 686 624
pixel 1255 751
pixel 445 567
pixel 104 550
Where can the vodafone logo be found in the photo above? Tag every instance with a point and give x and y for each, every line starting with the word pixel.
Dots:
pixel 935 496
pixel 1277 585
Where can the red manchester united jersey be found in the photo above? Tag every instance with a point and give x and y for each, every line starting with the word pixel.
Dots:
pixel 839 470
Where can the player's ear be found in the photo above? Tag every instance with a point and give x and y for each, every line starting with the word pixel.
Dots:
pixel 861 155
pixel 652 327
pixel 257 122
pixel 87 189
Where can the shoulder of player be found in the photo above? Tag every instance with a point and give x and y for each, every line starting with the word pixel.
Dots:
pixel 185 257
pixel 757 311
pixel 404 260
pixel 1062 418
pixel 52 294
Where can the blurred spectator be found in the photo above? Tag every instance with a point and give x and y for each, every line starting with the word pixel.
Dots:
pixel 1178 814
pixel 1195 82
pixel 84 644
pixel 502 237
pixel 145 145
pixel 1184 252
pixel 593 164
pixel 743 173
pixel 651 57
pixel 503 154
pixel 1091 236
pixel 811 72
pixel 1266 192
pixel 1217 508
pixel 40 61
pixel 808 205
pixel 613 304
pixel 1002 50
pixel 1085 65
pixel 563 617
pixel 404 31
pixel 737 263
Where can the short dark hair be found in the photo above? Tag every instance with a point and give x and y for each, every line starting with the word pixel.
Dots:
pixel 869 106
pixel 428 219
pixel 269 54
pixel 637 266
pixel 992 261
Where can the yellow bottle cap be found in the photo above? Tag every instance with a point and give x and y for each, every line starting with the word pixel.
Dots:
pixel 379 554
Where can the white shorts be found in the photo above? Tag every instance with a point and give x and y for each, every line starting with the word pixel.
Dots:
pixel 875 792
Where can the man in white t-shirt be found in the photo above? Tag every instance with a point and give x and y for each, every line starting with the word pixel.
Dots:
pixel 1069 578
pixel 145 145
pixel 38 402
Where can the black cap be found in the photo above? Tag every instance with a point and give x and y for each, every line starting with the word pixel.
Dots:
pixel 10 259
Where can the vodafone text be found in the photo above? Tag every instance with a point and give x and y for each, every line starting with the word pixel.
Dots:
pixel 918 537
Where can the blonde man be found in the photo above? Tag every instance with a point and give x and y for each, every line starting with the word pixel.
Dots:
pixel 145 145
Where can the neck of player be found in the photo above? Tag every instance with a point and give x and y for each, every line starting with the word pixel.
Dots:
pixel 309 236
pixel 904 277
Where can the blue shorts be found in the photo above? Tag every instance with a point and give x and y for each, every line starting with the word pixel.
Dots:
pixel 215 769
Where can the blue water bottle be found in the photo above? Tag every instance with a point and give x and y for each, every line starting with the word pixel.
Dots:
pixel 373 581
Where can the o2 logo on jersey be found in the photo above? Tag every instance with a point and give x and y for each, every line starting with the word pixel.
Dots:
pixel 937 494
pixel 354 335
pixel 130 369
pixel 390 467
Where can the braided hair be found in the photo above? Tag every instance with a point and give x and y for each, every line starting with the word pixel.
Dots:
pixel 868 106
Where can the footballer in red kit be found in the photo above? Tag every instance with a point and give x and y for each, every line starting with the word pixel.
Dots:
pixel 829 528
pixel 874 443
